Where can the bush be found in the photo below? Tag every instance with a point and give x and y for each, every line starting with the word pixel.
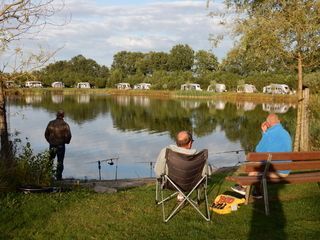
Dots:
pixel 36 170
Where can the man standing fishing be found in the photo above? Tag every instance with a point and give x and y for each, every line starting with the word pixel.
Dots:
pixel 57 135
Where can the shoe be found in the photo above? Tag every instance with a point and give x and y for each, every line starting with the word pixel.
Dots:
pixel 256 194
pixel 239 189
pixel 180 197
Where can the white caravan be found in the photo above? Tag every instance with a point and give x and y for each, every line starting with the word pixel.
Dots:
pixel 246 88
pixel 277 89
pixel 219 87
pixel 123 86
pixel 57 85
pixel 33 84
pixel 191 86
pixel 83 85
pixel 142 86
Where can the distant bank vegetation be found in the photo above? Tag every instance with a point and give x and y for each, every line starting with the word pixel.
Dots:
pixel 165 71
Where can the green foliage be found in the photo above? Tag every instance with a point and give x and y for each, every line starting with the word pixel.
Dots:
pixel 33 169
pixel 312 81
pixel 205 61
pixel 78 69
pixel 181 58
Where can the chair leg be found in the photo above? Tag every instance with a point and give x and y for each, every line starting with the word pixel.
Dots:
pixel 157 191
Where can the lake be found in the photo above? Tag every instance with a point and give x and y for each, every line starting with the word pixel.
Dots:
pixel 133 129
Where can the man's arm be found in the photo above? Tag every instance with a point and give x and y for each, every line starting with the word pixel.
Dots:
pixel 160 166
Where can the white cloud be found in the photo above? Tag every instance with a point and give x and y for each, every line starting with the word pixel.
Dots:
pixel 100 29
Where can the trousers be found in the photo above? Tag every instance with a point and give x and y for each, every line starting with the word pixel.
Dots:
pixel 59 151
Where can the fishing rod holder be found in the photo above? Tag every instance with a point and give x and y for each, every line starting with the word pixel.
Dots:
pixel 109 161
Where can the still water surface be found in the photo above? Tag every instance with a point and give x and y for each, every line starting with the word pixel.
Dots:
pixel 135 128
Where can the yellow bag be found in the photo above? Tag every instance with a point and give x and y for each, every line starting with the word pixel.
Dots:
pixel 224 204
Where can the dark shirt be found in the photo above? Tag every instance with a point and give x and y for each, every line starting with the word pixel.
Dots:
pixel 58 132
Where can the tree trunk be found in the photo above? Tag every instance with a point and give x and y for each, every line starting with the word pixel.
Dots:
pixel 300 80
pixel 5 152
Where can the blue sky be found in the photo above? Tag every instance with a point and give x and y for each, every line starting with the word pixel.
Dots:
pixel 99 29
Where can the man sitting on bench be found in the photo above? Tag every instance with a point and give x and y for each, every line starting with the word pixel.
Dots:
pixel 274 139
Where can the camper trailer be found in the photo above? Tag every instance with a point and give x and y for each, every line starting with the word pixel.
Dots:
pixel 142 86
pixel 33 84
pixel 123 86
pixel 219 87
pixel 191 86
pixel 57 85
pixel 83 85
pixel 277 89
pixel 246 88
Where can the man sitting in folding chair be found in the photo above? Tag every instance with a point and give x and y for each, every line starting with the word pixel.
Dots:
pixel 184 170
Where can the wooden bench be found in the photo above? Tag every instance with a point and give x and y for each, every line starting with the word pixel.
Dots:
pixel 304 166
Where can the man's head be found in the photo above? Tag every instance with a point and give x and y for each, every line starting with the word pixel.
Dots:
pixel 60 114
pixel 272 119
pixel 184 139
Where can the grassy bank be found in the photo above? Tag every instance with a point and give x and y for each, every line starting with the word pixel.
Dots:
pixel 132 214
pixel 227 96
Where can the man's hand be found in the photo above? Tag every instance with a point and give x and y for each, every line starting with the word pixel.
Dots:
pixel 265 126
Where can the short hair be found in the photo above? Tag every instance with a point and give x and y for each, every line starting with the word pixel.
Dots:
pixel 60 114
pixel 273 118
pixel 183 138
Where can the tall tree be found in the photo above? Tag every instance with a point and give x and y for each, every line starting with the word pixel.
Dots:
pixel 282 32
pixel 127 61
pixel 205 61
pixel 20 19
pixel 181 58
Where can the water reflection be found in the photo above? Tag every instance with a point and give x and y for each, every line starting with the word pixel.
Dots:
pixel 83 98
pixel 57 98
pixel 246 106
pixel 190 104
pixel 135 128
pixel 219 105
pixel 275 107
pixel 33 99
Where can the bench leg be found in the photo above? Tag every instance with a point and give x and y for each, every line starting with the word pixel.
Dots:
pixel 248 191
pixel 265 196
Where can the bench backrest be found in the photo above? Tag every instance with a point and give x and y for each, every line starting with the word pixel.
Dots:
pixel 299 161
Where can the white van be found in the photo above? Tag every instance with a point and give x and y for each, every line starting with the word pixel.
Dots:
pixel 191 86
pixel 219 87
pixel 123 86
pixel 246 88
pixel 83 85
pixel 277 89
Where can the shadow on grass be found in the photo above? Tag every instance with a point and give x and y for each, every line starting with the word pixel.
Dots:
pixel 272 226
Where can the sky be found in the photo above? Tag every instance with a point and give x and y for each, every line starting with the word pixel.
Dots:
pixel 98 29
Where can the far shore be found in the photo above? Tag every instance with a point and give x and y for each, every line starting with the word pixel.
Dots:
pixel 226 96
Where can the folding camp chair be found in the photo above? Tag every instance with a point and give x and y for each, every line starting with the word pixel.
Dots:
pixel 184 177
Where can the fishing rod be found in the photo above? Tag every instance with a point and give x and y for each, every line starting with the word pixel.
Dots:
pixel 109 161
pixel 231 151
pixel 151 166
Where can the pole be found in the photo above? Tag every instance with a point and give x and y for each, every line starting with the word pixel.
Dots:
pixel 99 167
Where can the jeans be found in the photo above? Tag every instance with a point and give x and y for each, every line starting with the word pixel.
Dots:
pixel 58 150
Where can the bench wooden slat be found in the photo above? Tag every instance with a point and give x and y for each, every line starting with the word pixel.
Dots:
pixel 304 156
pixel 274 166
pixel 291 178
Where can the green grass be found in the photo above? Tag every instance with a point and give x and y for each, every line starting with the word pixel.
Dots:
pixel 132 214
